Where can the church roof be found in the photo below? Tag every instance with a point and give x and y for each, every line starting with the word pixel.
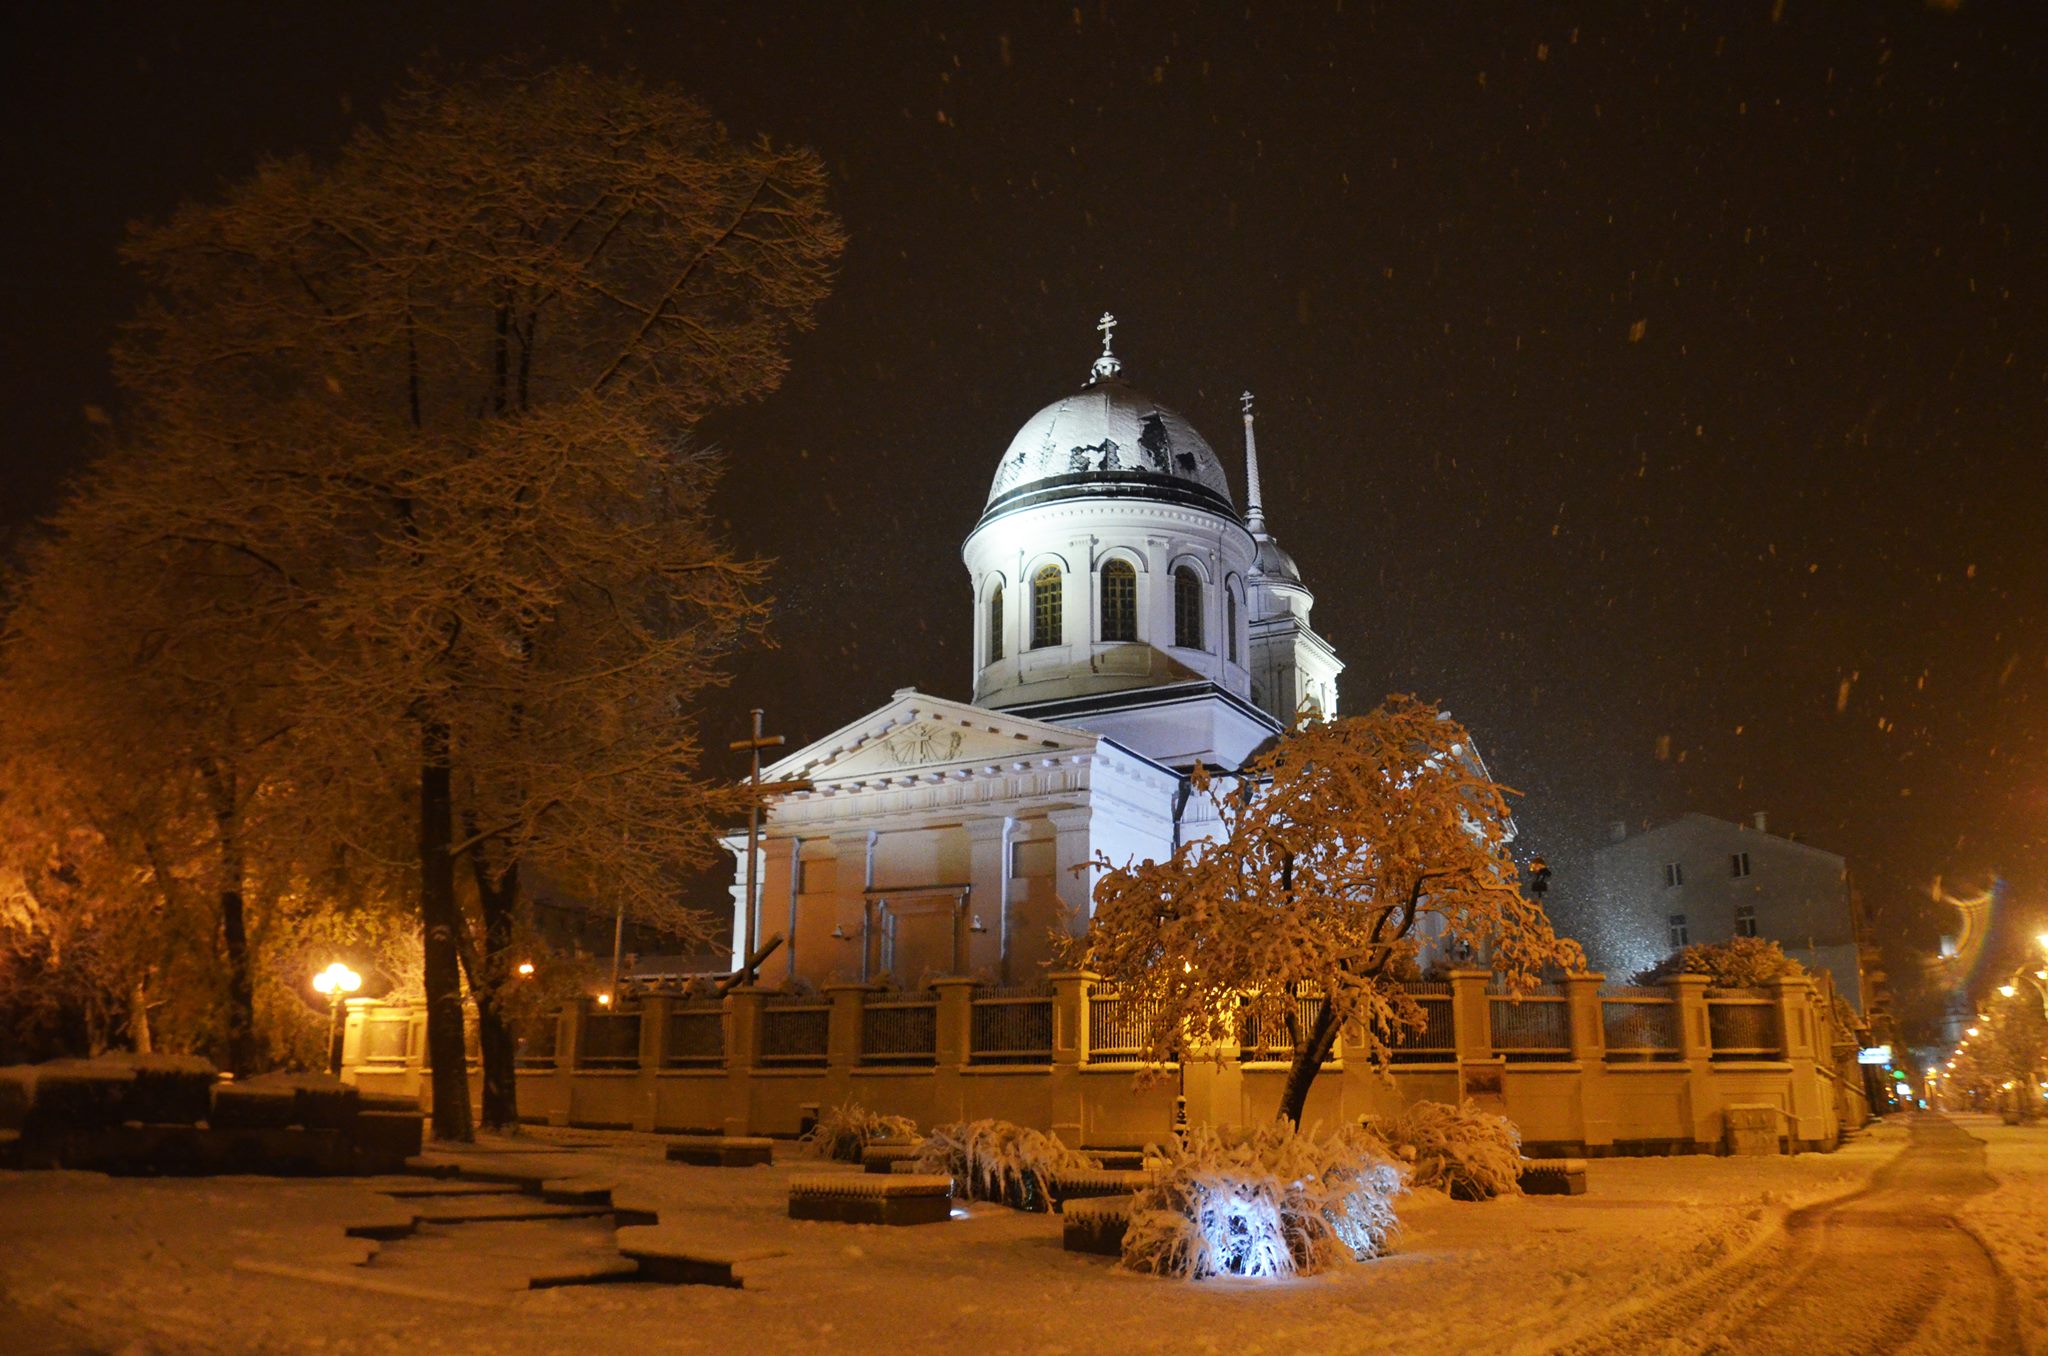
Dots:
pixel 1109 438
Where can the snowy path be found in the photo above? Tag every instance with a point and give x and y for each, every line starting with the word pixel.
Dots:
pixel 246 1266
pixel 1888 1269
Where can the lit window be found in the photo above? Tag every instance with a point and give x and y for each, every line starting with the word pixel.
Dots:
pixel 995 624
pixel 1745 920
pixel 1045 607
pixel 1187 608
pixel 1674 875
pixel 1230 622
pixel 1679 935
pixel 1738 864
pixel 1119 601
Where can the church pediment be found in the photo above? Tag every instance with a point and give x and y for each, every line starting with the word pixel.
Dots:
pixel 916 733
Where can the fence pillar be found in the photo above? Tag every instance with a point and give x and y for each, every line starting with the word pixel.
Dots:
pixel 1481 1074
pixel 352 1036
pixel 654 1031
pixel 1589 1052
pixel 1070 989
pixel 952 1040
pixel 742 1052
pixel 1800 1044
pixel 1702 1108
pixel 842 1040
pixel 568 1031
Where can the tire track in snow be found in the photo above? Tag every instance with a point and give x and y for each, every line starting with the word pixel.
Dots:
pixel 1886 1269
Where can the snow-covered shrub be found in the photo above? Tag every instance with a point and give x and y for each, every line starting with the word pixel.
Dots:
pixel 1738 963
pixel 1278 1202
pixel 847 1129
pixel 991 1160
pixel 1469 1153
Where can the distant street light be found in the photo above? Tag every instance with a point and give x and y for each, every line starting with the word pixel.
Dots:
pixel 335 982
pixel 525 969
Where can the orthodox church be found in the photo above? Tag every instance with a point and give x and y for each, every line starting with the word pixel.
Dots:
pixel 1128 623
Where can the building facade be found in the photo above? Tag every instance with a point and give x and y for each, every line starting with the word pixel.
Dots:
pixel 1128 622
pixel 1700 879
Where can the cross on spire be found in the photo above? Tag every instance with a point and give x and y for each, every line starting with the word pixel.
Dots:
pixel 1107 365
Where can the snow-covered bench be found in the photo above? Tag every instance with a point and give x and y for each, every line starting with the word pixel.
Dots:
pixel 1554 1176
pixel 869 1198
pixel 1096 1225
pixel 674 1258
pixel 721 1151
pixel 1079 1184
pixel 884 1157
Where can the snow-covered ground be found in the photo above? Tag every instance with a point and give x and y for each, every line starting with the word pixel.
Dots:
pixel 2012 1220
pixel 90 1264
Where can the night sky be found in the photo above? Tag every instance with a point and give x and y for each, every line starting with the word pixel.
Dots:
pixel 1662 388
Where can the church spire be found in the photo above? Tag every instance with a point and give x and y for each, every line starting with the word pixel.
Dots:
pixel 1107 365
pixel 1254 511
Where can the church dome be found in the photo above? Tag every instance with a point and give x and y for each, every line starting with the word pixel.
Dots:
pixel 1109 439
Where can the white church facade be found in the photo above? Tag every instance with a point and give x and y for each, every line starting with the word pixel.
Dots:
pixel 1129 622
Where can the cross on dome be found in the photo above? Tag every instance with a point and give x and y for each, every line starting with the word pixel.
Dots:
pixel 1107 365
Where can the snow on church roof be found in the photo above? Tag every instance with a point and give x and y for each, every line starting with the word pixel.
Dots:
pixel 1110 434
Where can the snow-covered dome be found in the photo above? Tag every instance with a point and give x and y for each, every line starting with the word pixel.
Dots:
pixel 1273 561
pixel 1109 439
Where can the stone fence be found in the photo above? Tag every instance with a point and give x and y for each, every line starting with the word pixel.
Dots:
pixel 1581 1071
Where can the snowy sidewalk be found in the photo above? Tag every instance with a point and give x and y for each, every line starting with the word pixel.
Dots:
pixel 2012 1220
pixel 157 1261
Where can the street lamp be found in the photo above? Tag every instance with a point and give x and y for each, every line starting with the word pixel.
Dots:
pixel 525 969
pixel 335 982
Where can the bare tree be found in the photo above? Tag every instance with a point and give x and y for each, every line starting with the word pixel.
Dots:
pixel 1337 849
pixel 461 362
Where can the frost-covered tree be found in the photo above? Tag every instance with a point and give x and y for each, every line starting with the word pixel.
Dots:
pixel 1335 846
pixel 453 372
pixel 145 722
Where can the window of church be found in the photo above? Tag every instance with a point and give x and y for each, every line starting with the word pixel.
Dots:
pixel 1046 622
pixel 1119 601
pixel 1187 608
pixel 995 624
pixel 1230 621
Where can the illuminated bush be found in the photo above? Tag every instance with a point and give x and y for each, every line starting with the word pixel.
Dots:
pixel 1277 1203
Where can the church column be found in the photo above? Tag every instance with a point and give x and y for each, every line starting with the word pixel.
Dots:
pixel 778 902
pixel 1073 849
pixel 989 873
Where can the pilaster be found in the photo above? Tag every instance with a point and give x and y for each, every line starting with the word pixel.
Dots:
pixel 1072 875
pixel 988 852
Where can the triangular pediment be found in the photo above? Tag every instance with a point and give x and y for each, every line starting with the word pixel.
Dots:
pixel 916 733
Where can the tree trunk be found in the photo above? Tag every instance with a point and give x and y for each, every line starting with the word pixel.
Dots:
pixel 138 1020
pixel 234 926
pixel 439 918
pixel 498 901
pixel 1309 1053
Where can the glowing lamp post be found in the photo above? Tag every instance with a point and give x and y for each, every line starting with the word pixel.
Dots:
pixel 336 982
